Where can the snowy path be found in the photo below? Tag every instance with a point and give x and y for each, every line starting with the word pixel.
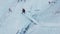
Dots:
pixel 11 22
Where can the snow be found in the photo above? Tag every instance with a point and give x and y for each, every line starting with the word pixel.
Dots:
pixel 40 17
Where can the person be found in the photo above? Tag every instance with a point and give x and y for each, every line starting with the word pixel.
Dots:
pixel 21 0
pixel 23 11
pixel 51 2
pixel 10 10
pixel 18 0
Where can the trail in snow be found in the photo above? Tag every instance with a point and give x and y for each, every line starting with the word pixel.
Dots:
pixel 44 15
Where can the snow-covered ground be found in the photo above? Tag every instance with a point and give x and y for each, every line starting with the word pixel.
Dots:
pixel 41 17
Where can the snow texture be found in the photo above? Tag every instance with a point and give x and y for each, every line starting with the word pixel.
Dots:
pixel 39 17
